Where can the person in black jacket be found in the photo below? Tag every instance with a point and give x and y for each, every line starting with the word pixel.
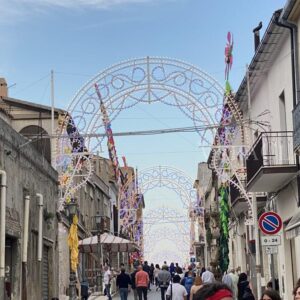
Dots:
pixel 147 269
pixel 244 290
pixel 123 282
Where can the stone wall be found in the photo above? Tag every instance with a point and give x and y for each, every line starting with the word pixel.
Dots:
pixel 28 173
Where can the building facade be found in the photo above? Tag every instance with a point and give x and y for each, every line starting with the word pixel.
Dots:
pixel 31 192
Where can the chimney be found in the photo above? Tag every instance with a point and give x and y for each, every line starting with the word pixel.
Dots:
pixel 256 35
pixel 3 88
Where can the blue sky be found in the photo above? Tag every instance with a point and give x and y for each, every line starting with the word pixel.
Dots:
pixel 79 38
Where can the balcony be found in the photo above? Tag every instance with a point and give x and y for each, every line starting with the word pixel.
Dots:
pixel 238 202
pixel 104 226
pixel 296 123
pixel 271 162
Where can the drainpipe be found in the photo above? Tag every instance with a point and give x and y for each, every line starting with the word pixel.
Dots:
pixel 40 234
pixel 295 73
pixel 26 226
pixel 257 246
pixel 2 224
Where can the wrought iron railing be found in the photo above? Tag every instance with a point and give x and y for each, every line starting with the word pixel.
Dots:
pixel 235 193
pixel 270 149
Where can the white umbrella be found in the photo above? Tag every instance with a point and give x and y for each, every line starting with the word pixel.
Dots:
pixel 108 241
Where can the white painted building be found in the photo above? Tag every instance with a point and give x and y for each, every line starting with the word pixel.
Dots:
pixel 268 101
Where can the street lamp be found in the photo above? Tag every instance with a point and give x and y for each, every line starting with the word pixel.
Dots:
pixel 98 219
pixel 71 211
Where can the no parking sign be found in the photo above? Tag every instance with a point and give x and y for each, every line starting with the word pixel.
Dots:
pixel 270 222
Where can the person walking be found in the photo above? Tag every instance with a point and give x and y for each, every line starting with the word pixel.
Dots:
pixel 296 291
pixel 123 282
pixel 227 280
pixel 164 278
pixel 141 283
pixel 244 290
pixel 188 280
pixel 151 275
pixel 178 269
pixel 215 291
pixel 270 295
pixel 107 279
pixel 84 291
pixel 172 269
pixel 196 287
pixel 208 276
pixel 156 271
pixel 176 291
pixel 147 269
pixel 133 286
pixel 202 271
pixel 235 279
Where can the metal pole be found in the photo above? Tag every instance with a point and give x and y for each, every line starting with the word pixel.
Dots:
pixel 52 118
pixel 272 271
pixel 99 273
pixel 257 247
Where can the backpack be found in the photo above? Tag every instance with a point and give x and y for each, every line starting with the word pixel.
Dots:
pixel 188 282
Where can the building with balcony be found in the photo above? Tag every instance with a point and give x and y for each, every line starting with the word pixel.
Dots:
pixel 266 97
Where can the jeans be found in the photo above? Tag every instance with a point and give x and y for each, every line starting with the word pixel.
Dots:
pixel 123 293
pixel 142 290
pixel 135 294
pixel 107 287
pixel 163 292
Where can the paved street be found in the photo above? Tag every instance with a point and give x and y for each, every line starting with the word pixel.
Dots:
pixel 152 295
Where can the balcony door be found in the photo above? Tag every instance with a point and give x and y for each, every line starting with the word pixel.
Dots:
pixel 283 145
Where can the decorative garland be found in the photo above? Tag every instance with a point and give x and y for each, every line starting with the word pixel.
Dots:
pixel 224 230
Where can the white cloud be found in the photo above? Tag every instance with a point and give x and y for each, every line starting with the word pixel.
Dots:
pixel 15 10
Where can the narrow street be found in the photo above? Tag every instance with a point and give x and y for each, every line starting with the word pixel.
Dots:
pixel 152 295
pixel 160 136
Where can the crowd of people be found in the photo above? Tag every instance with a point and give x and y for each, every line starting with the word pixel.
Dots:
pixel 176 283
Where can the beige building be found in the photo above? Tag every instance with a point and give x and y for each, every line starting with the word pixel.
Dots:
pixel 33 121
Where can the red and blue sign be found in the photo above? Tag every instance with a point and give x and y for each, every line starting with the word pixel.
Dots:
pixel 270 222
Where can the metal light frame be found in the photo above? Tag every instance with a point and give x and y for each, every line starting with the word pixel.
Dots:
pixel 149 80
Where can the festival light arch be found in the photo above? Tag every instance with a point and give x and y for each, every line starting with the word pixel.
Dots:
pixel 211 109
pixel 166 215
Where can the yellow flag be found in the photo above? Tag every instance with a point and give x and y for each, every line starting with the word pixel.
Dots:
pixel 73 243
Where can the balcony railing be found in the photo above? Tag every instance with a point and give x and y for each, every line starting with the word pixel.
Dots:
pixel 271 150
pixel 296 123
pixel 234 191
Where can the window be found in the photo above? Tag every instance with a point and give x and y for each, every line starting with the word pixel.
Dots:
pixel 91 192
pixel 40 139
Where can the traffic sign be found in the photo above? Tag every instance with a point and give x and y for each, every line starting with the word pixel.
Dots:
pixel 270 222
pixel 271 249
pixel 270 240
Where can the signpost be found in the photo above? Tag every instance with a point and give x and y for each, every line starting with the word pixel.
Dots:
pixel 270 223
pixel 271 250
pixel 273 240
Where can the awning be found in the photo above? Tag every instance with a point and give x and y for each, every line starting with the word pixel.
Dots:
pixel 109 242
pixel 293 228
